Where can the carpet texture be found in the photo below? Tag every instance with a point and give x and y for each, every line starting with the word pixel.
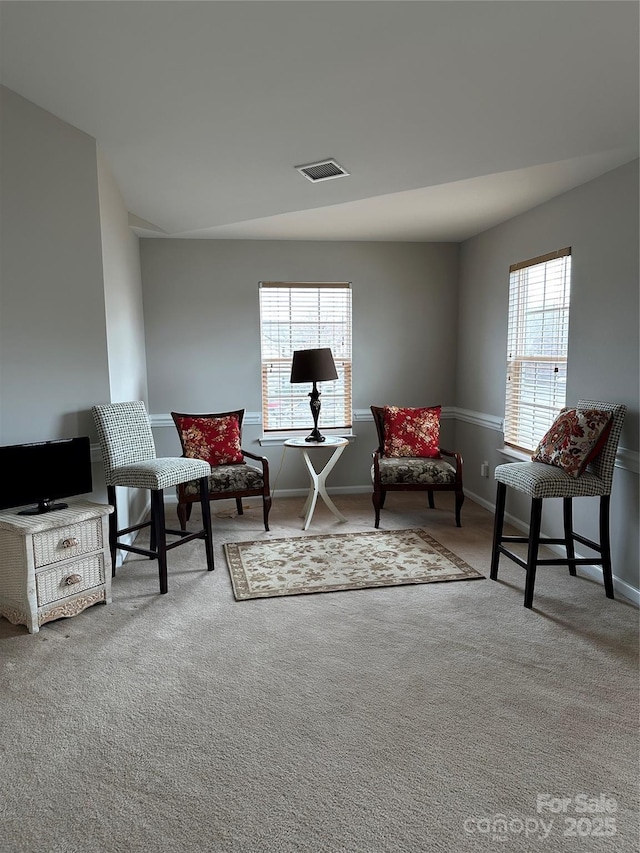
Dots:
pixel 341 561
pixel 400 720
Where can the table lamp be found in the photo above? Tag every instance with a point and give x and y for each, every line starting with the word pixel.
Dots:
pixel 313 365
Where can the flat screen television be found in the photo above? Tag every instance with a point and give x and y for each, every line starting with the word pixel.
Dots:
pixel 43 472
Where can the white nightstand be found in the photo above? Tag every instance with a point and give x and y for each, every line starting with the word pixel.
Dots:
pixel 55 564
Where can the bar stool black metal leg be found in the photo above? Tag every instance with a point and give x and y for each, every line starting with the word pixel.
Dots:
pixel 567 508
pixel 206 522
pixel 153 534
pixel 605 545
pixel 113 528
pixel 501 496
pixel 532 556
pixel 157 517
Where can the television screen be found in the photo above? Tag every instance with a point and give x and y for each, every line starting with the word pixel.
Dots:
pixel 42 472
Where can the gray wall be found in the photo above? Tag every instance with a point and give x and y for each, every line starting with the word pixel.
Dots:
pixel 71 324
pixel 126 357
pixel 122 293
pixel 599 220
pixel 202 325
pixel 53 345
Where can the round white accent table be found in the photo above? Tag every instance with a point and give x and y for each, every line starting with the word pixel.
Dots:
pixel 318 478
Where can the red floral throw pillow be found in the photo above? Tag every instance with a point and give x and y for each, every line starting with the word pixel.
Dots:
pixel 216 440
pixel 575 438
pixel 412 432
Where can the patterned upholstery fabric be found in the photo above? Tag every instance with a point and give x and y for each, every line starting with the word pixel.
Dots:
pixel 539 480
pixel 129 453
pixel 546 481
pixel 603 466
pixel 412 432
pixel 214 439
pixel 125 435
pixel 575 437
pixel 415 470
pixel 160 473
pixel 229 478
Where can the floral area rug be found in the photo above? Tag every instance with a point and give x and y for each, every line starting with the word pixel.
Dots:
pixel 338 561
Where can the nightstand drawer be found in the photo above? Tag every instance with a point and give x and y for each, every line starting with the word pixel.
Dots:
pixel 62 581
pixel 52 546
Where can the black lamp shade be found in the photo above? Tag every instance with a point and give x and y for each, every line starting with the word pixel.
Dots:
pixel 313 365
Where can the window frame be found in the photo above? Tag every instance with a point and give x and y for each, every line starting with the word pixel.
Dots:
pixel 343 358
pixel 528 372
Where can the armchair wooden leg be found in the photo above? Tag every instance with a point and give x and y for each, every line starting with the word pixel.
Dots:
pixel 459 502
pixel 266 509
pixel 567 511
pixel 432 504
pixel 498 523
pixel 113 528
pixel 605 545
pixel 375 497
pixel 532 555
pixel 158 521
pixel 383 495
pixel 182 516
pixel 239 506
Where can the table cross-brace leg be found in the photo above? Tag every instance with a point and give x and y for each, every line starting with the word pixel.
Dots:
pixel 318 480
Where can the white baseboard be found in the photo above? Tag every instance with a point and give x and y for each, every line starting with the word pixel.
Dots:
pixel 332 490
pixel 592 572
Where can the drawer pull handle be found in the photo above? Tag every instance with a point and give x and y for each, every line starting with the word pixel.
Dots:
pixel 71 542
pixel 70 580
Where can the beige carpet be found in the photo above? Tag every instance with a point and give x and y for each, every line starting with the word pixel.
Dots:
pixel 388 720
pixel 341 561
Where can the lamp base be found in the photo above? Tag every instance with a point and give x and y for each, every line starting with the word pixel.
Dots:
pixel 314 402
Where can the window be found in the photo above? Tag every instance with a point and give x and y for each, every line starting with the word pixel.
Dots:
pixel 304 316
pixel 536 347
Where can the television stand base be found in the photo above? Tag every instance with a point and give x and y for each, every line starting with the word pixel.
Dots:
pixel 43 506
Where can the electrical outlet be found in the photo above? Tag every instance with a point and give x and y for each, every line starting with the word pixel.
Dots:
pixel 484 469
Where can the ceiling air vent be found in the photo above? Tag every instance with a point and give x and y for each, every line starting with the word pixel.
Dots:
pixel 325 170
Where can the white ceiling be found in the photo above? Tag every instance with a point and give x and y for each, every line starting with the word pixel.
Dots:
pixel 450 116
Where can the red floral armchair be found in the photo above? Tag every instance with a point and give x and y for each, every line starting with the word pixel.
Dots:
pixel 216 438
pixel 409 457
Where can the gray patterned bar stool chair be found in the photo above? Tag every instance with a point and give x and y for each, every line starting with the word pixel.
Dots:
pixel 571 469
pixel 129 459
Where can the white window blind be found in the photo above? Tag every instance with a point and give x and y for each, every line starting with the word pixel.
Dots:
pixel 304 316
pixel 539 291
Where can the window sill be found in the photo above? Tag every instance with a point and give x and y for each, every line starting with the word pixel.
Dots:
pixel 512 453
pixel 283 436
